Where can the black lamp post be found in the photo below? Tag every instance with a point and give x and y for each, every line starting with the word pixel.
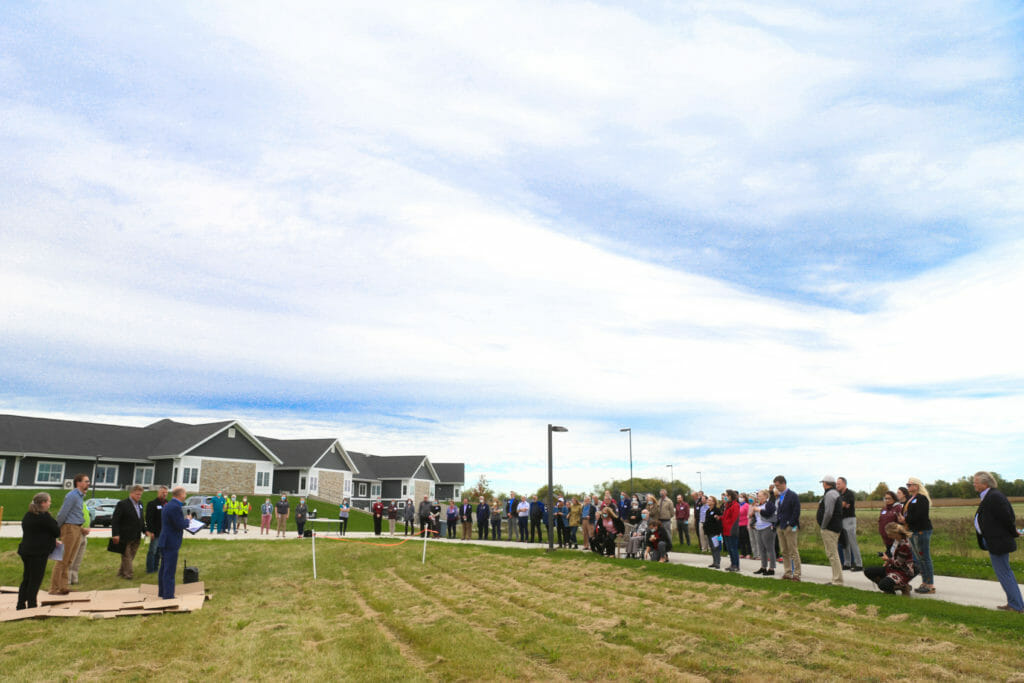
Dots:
pixel 551 484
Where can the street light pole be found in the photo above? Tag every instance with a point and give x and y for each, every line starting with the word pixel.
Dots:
pixel 630 430
pixel 701 481
pixel 551 483
pixel 671 474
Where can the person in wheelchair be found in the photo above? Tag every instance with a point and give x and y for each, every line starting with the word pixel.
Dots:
pixel 636 542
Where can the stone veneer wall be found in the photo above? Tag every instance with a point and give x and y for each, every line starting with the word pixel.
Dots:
pixel 422 489
pixel 230 476
pixel 332 486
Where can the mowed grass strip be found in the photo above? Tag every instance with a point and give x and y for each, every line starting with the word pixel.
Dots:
pixel 483 613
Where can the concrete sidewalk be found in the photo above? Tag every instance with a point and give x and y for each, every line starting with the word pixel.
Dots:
pixel 975 592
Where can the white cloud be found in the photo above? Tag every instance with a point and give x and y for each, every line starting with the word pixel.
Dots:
pixel 381 244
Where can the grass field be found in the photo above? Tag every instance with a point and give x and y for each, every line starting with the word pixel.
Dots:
pixel 479 613
pixel 15 503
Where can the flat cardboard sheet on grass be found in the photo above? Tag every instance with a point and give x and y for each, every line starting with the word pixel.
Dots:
pixel 122 602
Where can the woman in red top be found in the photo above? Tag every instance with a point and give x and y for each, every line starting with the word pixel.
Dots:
pixel 890 510
pixel 731 530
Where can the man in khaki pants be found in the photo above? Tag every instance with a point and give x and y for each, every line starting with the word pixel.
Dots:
pixel 70 520
pixel 787 508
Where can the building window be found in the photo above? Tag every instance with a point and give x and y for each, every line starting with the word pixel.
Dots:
pixel 3 469
pixel 348 487
pixel 374 490
pixel 312 485
pixel 405 490
pixel 189 475
pixel 262 479
pixel 174 476
pixel 456 491
pixel 302 483
pixel 49 473
pixel 231 432
pixel 106 475
pixel 362 490
pixel 144 475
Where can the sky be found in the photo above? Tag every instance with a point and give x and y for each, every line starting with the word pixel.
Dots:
pixel 767 237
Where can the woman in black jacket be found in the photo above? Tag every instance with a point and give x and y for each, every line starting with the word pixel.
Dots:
pixel 39 534
pixel 713 531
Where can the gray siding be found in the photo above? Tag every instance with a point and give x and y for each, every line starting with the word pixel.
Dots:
pixel 27 475
pixel 423 473
pixel 221 446
pixel 391 489
pixel 333 461
pixel 285 480
pixel 162 473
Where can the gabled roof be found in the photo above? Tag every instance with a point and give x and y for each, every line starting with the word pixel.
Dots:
pixel 363 465
pixel 397 466
pixel 450 472
pixel 45 436
pixel 178 438
pixel 390 466
pixel 174 438
pixel 304 453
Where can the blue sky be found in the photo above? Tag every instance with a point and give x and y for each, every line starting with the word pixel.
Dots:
pixel 767 237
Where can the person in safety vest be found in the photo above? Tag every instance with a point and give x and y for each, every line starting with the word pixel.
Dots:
pixel 231 513
pixel 242 510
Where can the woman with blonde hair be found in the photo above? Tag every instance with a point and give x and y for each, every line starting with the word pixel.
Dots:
pixel 919 524
pixel 898 570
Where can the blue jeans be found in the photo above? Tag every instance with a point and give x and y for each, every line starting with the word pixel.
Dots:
pixel 1001 563
pixel 921 545
pixel 733 545
pixel 153 556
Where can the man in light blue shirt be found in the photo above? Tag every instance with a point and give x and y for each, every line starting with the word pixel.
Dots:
pixel 70 520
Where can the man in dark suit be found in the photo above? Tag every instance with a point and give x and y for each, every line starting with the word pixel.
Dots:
pixel 788 509
pixel 173 523
pixel 483 519
pixel 154 511
pixel 994 523
pixel 126 527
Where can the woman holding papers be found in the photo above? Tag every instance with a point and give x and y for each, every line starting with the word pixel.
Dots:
pixel 39 534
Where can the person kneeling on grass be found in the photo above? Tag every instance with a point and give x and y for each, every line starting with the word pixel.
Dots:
pixel 657 542
pixel 898 570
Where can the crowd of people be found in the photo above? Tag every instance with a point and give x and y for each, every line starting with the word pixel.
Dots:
pixel 162 521
pixel 764 526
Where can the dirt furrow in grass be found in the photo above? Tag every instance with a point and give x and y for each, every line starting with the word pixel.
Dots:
pixel 440 602
pixel 803 647
pixel 648 662
pixel 372 616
